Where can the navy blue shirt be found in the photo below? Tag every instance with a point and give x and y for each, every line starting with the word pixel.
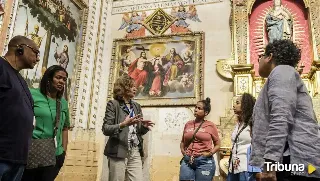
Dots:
pixel 16 115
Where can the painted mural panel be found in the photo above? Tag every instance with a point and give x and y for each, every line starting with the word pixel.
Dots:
pixel 56 27
pixel 178 18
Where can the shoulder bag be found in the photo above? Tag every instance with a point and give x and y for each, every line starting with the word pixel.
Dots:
pixel 42 152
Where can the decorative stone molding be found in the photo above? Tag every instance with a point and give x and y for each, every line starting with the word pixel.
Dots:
pixel 224 68
pixel 315 26
pixel 89 57
pixel 314 78
pixel 119 7
pixel 258 84
pixel 240 26
pixel 243 78
pixel 158 22
pixel 99 54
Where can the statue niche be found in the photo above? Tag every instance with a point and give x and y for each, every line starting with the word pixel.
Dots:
pixel 271 20
pixel 279 23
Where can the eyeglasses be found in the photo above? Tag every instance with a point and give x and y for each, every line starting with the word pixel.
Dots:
pixel 37 52
pixel 260 56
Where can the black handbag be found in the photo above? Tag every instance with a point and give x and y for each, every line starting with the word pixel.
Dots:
pixel 42 152
pixel 192 139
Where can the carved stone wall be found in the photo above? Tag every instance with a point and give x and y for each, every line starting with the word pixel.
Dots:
pixel 83 161
pixel 162 162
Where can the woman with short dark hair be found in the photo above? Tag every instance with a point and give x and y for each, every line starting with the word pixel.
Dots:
pixel 124 124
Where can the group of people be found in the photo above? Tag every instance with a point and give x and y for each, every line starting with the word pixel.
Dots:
pixel 34 122
pixel 280 127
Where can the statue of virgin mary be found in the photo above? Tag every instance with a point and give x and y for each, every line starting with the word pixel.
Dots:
pixel 279 23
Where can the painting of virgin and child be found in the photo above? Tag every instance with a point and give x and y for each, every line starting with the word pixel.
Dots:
pixel 160 69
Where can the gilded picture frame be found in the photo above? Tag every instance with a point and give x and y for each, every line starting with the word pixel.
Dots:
pixel 167 69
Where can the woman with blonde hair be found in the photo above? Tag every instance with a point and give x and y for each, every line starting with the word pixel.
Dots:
pixel 124 125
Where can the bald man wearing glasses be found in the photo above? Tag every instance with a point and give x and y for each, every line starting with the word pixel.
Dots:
pixel 16 107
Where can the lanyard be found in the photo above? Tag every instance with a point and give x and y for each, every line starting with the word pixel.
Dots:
pixel 130 110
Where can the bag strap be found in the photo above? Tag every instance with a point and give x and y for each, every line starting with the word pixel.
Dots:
pixel 139 111
pixel 235 141
pixel 58 113
pixel 194 135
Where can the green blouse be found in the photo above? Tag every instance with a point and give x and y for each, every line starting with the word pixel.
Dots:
pixel 45 113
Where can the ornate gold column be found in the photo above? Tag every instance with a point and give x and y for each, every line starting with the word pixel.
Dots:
pixel 314 15
pixel 240 29
pixel 258 83
pixel 243 78
pixel 314 81
pixel 314 78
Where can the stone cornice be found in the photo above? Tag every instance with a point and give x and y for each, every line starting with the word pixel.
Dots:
pixel 242 69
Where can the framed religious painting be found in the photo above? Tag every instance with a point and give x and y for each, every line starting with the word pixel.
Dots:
pixel 57 27
pixel 167 69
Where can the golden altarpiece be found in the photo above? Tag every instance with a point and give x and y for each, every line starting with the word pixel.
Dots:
pixel 248 23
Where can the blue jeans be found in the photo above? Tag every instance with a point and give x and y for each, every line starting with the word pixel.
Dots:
pixel 242 176
pixel 10 171
pixel 202 169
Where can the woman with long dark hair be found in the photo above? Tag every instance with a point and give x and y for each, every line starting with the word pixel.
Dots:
pixel 52 124
pixel 243 108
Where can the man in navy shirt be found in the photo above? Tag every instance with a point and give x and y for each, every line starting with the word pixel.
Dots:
pixel 16 107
